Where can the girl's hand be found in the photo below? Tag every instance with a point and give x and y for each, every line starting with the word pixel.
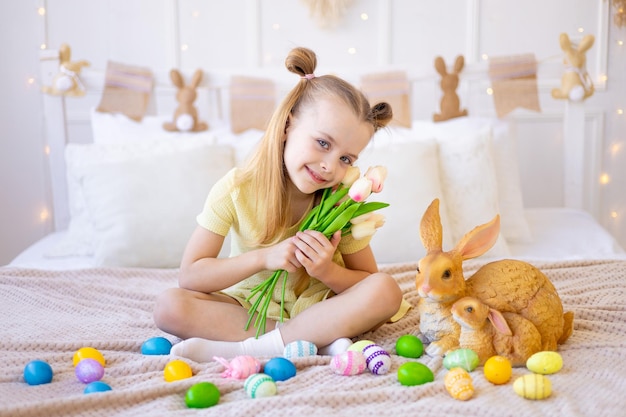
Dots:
pixel 315 252
pixel 282 256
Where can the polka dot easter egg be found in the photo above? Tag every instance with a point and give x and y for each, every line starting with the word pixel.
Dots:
pixel 377 359
pixel 259 386
pixel 459 384
pixel 349 363
pixel 299 349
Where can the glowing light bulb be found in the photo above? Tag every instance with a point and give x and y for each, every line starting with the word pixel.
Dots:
pixel 41 11
pixel 195 13
pixel 615 148
pixel 490 91
pixel 613 214
pixel 184 47
pixel 30 80
pixel 364 16
pixel 43 46
pixel 620 111
pixel 620 42
pixel 581 30
pixel 46 150
pixel 276 26
pixel 605 179
pixel 604 77
pixel 352 51
pixel 484 57
pixel 44 214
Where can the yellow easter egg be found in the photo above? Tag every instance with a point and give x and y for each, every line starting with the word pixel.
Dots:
pixel 545 363
pixel 88 353
pixel 176 370
pixel 459 384
pixel 360 345
pixel 498 370
pixel 533 386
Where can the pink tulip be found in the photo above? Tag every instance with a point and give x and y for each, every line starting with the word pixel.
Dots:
pixel 361 189
pixel 352 174
pixel 377 175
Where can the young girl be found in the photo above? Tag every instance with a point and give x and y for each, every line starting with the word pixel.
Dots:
pixel 334 290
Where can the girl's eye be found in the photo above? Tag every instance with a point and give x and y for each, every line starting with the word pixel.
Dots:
pixel 323 143
pixel 346 160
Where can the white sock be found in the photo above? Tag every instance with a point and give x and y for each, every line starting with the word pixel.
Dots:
pixel 203 350
pixel 337 347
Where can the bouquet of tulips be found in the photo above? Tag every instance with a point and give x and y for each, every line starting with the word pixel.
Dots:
pixel 342 208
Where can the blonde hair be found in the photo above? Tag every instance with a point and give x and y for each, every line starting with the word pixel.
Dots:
pixel 265 168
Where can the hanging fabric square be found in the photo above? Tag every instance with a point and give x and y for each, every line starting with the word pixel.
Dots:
pixel 514 83
pixel 127 90
pixel 392 87
pixel 252 102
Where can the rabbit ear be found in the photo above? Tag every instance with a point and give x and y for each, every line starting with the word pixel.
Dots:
pixel 440 66
pixel 459 64
pixel 196 79
pixel 566 45
pixel 586 43
pixel 177 78
pixel 480 239
pixel 497 319
pixel 64 53
pixel 431 230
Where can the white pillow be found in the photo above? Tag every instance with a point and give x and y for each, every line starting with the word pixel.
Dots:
pixel 469 183
pixel 117 127
pixel 413 182
pixel 79 239
pixel 144 209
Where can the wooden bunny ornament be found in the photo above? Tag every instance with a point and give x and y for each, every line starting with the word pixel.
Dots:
pixel 576 85
pixel 450 103
pixel 489 332
pixel 67 81
pixel 506 285
pixel 186 115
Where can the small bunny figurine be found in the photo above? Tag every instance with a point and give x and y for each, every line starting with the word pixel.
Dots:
pixel 67 81
pixel 507 285
pixel 489 332
pixel 450 103
pixel 186 115
pixel 576 85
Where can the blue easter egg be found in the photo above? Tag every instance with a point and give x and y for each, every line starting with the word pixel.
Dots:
pixel 280 369
pixel 96 386
pixel 156 346
pixel 37 372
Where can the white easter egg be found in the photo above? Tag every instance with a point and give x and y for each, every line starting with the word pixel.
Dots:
pixel 348 363
pixel 260 385
pixel 299 349
pixel 377 359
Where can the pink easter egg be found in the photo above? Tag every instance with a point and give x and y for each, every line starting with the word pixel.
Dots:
pixel 348 363
pixel 377 359
pixel 240 367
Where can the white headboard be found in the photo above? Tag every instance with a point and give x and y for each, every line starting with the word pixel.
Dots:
pixel 558 165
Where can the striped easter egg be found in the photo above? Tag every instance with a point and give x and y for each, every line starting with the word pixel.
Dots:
pixel 299 349
pixel 533 386
pixel 377 359
pixel 259 386
pixel 348 363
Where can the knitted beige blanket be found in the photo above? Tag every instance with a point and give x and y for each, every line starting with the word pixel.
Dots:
pixel 50 315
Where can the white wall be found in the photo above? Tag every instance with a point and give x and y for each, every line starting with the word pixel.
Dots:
pixel 258 34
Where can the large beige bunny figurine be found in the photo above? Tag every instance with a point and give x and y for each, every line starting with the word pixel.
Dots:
pixel 576 85
pixel 506 285
pixel 67 82
pixel 186 115
pixel 450 103
pixel 489 332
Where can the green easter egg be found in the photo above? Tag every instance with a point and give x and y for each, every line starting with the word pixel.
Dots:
pixel 414 373
pixel 461 358
pixel 202 395
pixel 409 346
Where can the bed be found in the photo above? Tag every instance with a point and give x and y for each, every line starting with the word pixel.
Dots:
pixel 118 193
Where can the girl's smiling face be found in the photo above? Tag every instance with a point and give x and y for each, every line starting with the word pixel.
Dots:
pixel 322 142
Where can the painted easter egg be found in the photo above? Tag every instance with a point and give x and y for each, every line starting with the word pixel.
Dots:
pixel 377 359
pixel 240 367
pixel 156 346
pixel 414 373
pixel 299 349
pixel 459 384
pixel 260 385
pixel 89 370
pixel 461 358
pixel 37 372
pixel 348 363
pixel 409 346
pixel 360 345
pixel 545 363
pixel 96 386
pixel 280 369
pixel 202 395
pixel 176 370
pixel 498 370
pixel 533 386
pixel 88 352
